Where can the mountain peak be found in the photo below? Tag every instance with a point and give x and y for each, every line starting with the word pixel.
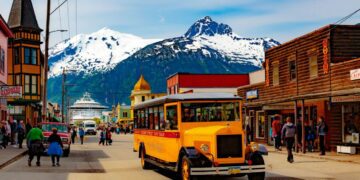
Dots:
pixel 206 26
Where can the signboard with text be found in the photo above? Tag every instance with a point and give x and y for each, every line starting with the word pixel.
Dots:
pixel 252 94
pixel 11 91
pixel 355 74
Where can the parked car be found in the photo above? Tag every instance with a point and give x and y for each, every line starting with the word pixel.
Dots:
pixel 63 132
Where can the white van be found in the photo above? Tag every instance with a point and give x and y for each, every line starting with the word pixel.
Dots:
pixel 89 127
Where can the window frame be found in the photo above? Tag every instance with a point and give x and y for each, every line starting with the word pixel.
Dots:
pixel 312 58
pixel 33 55
pixel 257 125
pixel 30 84
pixel 2 60
pixel 291 71
pixel 275 64
pixel 176 121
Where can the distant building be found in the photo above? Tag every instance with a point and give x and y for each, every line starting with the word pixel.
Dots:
pixel 124 115
pixel 5 34
pixel 141 93
pixel 25 64
pixel 198 83
pixel 85 109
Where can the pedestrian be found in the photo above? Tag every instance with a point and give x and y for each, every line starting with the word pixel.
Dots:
pixel 36 148
pixel 102 137
pixel 13 126
pixel 55 147
pixel 322 130
pixel 28 126
pixel 7 132
pixel 276 132
pixel 21 133
pixel 288 135
pixel 108 136
pixel 81 134
pixel 2 136
pixel 127 129
pixel 310 136
pixel 73 135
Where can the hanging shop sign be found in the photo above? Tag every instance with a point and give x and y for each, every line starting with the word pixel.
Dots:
pixel 252 94
pixel 355 74
pixel 11 91
pixel 325 45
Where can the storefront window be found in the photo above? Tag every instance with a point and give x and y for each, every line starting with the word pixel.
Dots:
pixel 260 125
pixel 351 122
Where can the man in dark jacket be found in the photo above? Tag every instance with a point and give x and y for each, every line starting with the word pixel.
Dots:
pixel 21 133
pixel 322 130
pixel 288 134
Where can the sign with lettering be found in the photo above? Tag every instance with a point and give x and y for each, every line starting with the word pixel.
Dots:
pixel 353 98
pixel 326 56
pixel 11 91
pixel 267 68
pixel 252 94
pixel 355 74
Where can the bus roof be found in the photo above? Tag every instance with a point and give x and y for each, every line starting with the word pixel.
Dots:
pixel 188 97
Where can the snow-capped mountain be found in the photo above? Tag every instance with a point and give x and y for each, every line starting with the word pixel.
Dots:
pixel 99 51
pixel 207 47
pixel 213 40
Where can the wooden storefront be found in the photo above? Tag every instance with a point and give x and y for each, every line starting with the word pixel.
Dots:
pixel 308 71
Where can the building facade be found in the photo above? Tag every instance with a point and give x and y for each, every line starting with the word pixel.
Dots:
pixel 5 34
pixel 315 75
pixel 25 61
pixel 124 114
pixel 200 83
pixel 85 109
pixel 141 93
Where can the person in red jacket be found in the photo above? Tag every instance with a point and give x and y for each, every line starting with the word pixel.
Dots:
pixel 276 132
pixel 108 137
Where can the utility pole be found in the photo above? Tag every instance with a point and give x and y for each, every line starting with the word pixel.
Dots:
pixel 63 96
pixel 44 100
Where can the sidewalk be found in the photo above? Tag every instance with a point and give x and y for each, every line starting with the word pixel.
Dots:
pixel 11 154
pixel 330 156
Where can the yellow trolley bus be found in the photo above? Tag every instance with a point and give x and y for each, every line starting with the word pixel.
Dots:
pixel 195 134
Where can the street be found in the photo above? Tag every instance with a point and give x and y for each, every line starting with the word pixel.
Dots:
pixel 91 161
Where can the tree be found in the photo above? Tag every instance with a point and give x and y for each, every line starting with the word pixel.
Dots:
pixel 97 120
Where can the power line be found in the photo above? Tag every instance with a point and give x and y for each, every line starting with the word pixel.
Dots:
pixel 68 18
pixel 62 37
pixel 346 17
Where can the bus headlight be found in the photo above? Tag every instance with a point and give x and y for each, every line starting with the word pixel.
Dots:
pixel 204 148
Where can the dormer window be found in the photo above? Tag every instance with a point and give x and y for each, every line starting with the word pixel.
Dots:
pixel 30 56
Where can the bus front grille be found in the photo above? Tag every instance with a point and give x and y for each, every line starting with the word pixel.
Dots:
pixel 229 146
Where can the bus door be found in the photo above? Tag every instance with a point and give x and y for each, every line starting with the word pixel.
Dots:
pixel 172 134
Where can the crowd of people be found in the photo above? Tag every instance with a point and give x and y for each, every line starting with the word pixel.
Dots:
pixel 13 133
pixel 286 134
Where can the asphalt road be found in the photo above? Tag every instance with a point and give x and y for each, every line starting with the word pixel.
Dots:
pixel 91 161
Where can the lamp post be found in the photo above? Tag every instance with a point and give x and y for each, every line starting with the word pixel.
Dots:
pixel 64 92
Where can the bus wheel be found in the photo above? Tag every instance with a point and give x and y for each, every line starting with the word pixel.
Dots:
pixel 144 164
pixel 185 168
pixel 257 160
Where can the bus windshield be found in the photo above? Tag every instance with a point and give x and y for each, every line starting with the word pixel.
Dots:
pixel 90 125
pixel 210 112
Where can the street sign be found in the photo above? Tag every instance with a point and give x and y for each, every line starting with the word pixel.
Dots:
pixel 11 91
pixel 355 74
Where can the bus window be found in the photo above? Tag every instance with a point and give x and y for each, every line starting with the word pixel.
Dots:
pixel 162 119
pixel 151 118
pixel 171 118
pixel 142 119
pixel 207 112
pixel 156 118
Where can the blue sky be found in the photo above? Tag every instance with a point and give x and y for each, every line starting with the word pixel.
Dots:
pixel 282 20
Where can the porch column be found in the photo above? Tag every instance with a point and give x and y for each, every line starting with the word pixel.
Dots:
pixel 295 118
pixel 302 126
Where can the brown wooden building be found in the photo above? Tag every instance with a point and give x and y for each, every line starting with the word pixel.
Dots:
pixel 309 77
pixel 25 61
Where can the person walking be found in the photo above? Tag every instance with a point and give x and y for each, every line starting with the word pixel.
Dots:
pixel 322 130
pixel 108 136
pixel 28 126
pixel 276 132
pixel 288 135
pixel 21 133
pixel 73 135
pixel 55 147
pixel 102 137
pixel 36 148
pixel 81 134
pixel 13 126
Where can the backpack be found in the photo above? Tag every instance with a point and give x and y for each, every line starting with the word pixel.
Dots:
pixel 289 131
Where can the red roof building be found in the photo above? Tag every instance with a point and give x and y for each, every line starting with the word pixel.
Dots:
pixel 188 83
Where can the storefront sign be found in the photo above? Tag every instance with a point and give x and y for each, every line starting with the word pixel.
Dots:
pixel 267 74
pixel 355 74
pixel 345 99
pixel 252 94
pixel 11 91
pixel 326 56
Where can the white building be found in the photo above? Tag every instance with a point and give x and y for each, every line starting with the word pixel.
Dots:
pixel 85 109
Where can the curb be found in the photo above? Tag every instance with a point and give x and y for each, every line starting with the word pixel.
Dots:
pixel 17 157
pixel 317 157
